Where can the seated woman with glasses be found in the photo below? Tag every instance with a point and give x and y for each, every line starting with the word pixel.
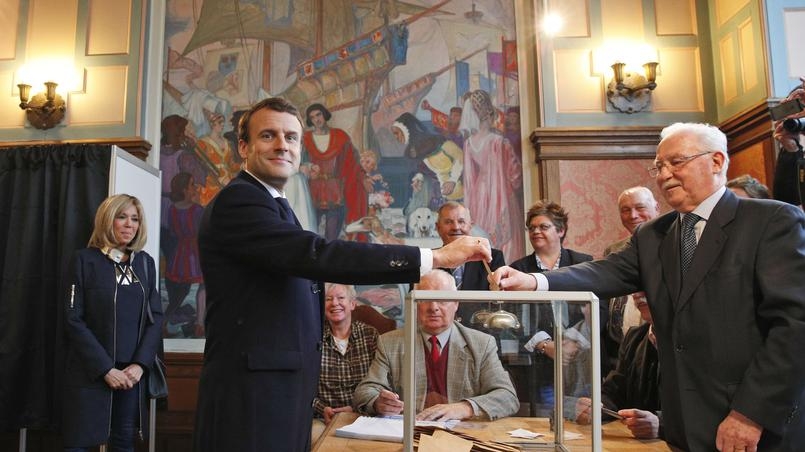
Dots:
pixel 546 222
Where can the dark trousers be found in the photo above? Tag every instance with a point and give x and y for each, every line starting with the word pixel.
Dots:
pixel 125 411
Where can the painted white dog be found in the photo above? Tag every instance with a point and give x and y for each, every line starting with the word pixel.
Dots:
pixel 422 223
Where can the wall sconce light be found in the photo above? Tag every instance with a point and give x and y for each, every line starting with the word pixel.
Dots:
pixel 630 92
pixel 46 109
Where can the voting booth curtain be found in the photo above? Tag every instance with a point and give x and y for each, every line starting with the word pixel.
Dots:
pixel 48 198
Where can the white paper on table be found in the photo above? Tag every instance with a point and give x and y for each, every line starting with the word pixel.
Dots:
pixel 523 433
pixel 384 428
pixel 527 434
pixel 569 436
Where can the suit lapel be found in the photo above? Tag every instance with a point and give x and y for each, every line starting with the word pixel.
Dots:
pixel 243 175
pixel 420 373
pixel 456 365
pixel 669 259
pixel 564 258
pixel 709 248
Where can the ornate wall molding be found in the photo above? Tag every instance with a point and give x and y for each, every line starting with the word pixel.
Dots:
pixel 594 143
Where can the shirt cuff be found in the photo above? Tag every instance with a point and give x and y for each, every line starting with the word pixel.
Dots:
pixel 476 410
pixel 425 261
pixel 542 281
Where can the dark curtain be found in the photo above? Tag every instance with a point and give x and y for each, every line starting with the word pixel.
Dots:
pixel 48 198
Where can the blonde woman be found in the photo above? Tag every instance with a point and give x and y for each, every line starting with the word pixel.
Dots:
pixel 113 326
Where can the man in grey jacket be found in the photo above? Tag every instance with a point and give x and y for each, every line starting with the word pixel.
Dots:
pixel 463 378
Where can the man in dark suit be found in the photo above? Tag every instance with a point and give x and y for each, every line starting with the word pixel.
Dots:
pixel 452 222
pixel 724 279
pixel 264 304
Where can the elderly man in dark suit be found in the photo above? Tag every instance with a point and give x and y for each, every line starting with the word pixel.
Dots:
pixel 452 222
pixel 724 279
pixel 264 304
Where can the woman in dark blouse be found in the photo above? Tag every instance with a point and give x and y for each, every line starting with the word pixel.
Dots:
pixel 113 326
pixel 546 222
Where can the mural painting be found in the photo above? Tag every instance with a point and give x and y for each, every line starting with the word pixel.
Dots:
pixel 407 104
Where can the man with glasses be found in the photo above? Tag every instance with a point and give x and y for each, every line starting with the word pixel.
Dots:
pixel 724 280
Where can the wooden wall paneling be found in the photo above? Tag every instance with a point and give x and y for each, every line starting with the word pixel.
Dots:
pixel 751 131
pixel 176 418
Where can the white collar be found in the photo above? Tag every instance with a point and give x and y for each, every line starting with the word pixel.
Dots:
pixel 271 190
pixel 443 337
pixel 705 208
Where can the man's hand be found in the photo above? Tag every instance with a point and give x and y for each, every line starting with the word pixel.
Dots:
pixel 583 407
pixel 507 278
pixel 463 249
pixel 642 424
pixel 443 412
pixel 738 432
pixel 388 403
pixel 329 412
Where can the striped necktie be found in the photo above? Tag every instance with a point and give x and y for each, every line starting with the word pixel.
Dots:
pixel 688 240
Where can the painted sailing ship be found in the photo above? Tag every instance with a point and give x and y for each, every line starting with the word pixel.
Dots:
pixel 344 71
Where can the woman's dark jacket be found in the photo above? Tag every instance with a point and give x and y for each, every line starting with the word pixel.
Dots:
pixel 544 319
pixel 90 328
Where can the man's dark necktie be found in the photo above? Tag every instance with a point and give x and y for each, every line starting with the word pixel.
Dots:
pixel 688 240
pixel 289 217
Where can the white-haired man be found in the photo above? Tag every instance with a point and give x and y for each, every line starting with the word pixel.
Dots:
pixel 723 276
pixel 636 205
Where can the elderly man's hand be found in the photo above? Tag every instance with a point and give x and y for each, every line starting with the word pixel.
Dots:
pixel 462 250
pixel 507 278
pixel 388 403
pixel 443 412
pixel 738 432
pixel 643 424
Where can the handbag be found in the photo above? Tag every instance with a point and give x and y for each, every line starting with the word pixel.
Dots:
pixel 157 382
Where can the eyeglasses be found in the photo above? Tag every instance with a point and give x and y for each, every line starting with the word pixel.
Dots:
pixel 544 227
pixel 672 165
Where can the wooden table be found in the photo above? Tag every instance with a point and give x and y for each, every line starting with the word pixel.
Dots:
pixel 616 437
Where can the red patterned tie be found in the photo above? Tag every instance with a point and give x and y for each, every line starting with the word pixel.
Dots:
pixel 434 349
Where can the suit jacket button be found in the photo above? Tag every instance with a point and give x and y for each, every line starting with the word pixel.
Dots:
pixel 680 348
pixel 239 322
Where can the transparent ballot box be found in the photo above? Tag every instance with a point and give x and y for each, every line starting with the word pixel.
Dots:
pixel 559 398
